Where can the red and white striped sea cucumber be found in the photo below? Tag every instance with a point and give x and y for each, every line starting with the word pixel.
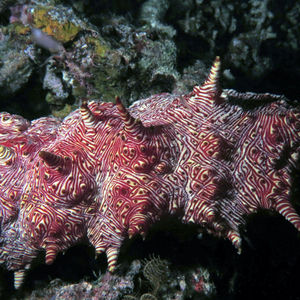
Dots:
pixel 106 173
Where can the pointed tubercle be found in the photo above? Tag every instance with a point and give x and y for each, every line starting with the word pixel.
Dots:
pixel 55 161
pixel 235 239
pixel 51 252
pixel 112 256
pixel 286 210
pixel 99 250
pixel 214 74
pixel 19 278
pixel 211 84
pixel 87 115
pixel 129 121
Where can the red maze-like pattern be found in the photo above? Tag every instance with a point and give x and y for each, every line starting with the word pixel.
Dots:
pixel 107 173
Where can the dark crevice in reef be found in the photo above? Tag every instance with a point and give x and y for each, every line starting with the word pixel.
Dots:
pixel 76 264
pixel 270 261
pixel 93 8
pixel 28 101
pixel 188 48
pixel 172 240
pixel 271 82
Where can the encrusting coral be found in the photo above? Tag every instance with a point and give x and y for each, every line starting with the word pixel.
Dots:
pixel 106 173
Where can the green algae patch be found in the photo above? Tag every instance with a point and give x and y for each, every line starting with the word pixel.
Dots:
pixel 66 110
pixel 100 48
pixel 19 28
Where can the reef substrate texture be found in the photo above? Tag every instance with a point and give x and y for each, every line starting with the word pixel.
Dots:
pixel 106 173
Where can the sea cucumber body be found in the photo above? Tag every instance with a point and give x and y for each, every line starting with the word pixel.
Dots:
pixel 106 173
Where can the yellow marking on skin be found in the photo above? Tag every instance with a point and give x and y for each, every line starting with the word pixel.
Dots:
pixel 6 154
